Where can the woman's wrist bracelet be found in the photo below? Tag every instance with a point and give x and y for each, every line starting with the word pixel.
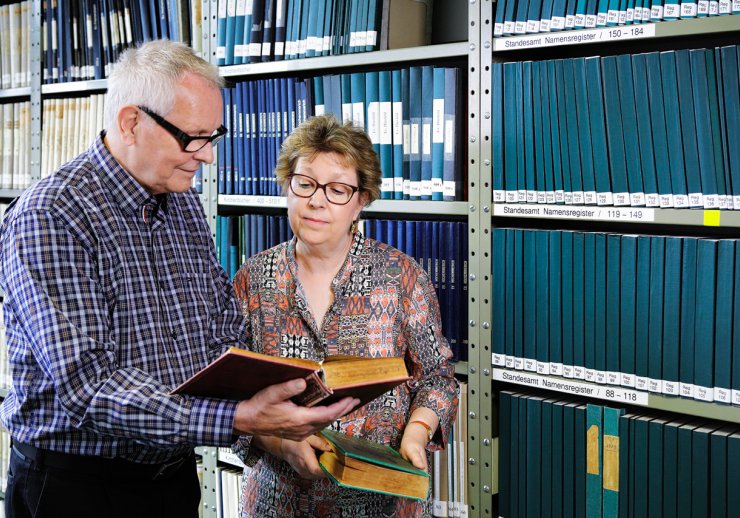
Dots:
pixel 430 432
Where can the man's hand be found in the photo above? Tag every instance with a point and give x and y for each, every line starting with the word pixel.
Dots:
pixel 302 456
pixel 270 412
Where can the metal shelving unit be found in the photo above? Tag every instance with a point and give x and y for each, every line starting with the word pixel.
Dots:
pixel 501 49
pixel 442 208
pixel 15 92
pixel 74 87
pixel 382 57
pixel 9 194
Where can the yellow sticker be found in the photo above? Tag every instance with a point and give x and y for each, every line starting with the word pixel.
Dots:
pixel 611 462
pixel 592 450
pixel 711 218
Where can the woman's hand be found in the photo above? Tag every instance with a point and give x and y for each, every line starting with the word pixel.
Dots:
pixel 413 445
pixel 303 456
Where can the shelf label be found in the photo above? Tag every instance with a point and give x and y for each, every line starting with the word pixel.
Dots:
pixel 622 395
pixel 229 457
pixel 242 200
pixel 553 39
pixel 642 214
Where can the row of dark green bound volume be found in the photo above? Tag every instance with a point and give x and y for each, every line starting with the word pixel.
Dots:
pixel 564 457
pixel 655 129
pixel 653 313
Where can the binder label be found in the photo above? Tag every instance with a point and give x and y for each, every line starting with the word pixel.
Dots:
pixel 599 34
pixel 617 394
pixel 639 214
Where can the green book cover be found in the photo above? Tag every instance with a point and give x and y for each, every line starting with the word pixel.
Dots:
pixel 366 465
pixel 370 451
pixel 700 471
pixel 625 465
pixel 580 461
pixel 655 467
pixel 611 473
pixel 718 488
pixel 534 455
pixel 558 455
pixel 640 457
pixel 593 460
pixel 569 454
pixel 733 474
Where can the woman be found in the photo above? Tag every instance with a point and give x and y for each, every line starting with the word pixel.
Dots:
pixel 332 291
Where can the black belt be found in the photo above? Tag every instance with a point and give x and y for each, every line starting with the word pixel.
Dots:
pixel 104 467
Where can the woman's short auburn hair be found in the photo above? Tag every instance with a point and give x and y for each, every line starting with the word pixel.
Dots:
pixel 325 134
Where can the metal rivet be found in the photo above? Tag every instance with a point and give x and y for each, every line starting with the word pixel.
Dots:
pixel 486 489
pixel 471 461
pixel 472 370
pixel 471 208
pixel 472 323
pixel 472 139
pixel 487 115
pixel 486 442
pixel 486 209
pixel 486 162
pixel 471 415
pixel 486 325
pixel 486 372
pixel 472 276
pixel 487 45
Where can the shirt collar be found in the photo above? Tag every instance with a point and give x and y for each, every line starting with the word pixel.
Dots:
pixel 129 194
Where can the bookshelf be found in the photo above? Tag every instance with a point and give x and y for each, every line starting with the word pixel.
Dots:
pixel 458 53
pixel 681 34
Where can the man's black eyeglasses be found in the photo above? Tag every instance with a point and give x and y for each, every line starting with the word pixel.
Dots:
pixel 188 143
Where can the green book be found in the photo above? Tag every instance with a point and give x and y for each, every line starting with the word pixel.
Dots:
pixel 655 467
pixel 719 470
pixel 363 464
pixel 610 462
pixel 579 483
pixel 700 469
pixel 593 460
pixel 733 474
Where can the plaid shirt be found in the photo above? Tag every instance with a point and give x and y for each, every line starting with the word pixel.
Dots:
pixel 112 298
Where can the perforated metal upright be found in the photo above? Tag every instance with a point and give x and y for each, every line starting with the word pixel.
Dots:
pixel 481 450
pixel 35 90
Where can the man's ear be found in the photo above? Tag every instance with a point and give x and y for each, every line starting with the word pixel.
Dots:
pixel 128 120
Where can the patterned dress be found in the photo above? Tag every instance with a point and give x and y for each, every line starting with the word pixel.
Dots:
pixel 384 305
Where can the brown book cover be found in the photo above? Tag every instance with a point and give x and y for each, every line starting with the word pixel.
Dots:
pixel 238 374
pixel 362 464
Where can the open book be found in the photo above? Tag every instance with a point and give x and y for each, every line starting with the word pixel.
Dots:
pixel 238 374
pixel 362 464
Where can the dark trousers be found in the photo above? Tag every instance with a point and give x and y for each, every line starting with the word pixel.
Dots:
pixel 40 491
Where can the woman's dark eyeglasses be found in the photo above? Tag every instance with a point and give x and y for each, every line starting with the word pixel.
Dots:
pixel 337 193
pixel 188 143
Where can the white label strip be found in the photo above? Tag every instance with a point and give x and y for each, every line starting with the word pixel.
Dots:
pixel 609 393
pixel 570 212
pixel 626 32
